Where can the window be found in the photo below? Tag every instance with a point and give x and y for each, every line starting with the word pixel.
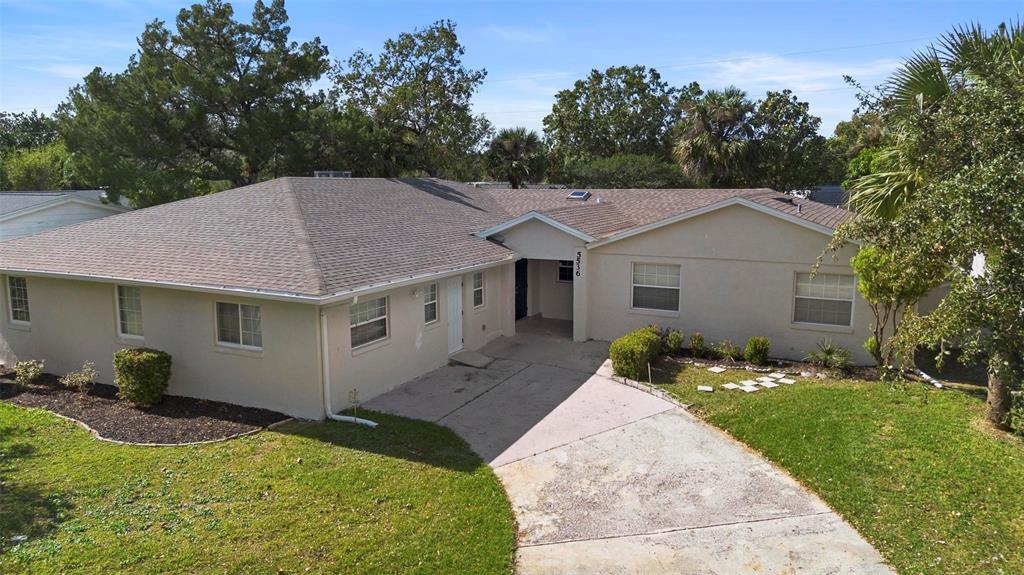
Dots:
pixel 824 299
pixel 430 304
pixel 17 292
pixel 239 324
pixel 478 289
pixel 129 311
pixel 369 321
pixel 656 286
pixel 565 270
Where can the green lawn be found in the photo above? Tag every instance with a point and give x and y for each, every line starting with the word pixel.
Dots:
pixel 913 468
pixel 407 497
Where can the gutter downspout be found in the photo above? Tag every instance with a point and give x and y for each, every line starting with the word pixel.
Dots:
pixel 325 375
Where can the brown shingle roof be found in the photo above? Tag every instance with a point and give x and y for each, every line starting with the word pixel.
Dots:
pixel 322 236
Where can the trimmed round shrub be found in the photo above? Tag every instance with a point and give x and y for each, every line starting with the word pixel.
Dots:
pixel 756 351
pixel 632 352
pixel 697 344
pixel 141 374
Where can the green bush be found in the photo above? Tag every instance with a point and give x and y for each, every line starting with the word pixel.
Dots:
pixel 632 352
pixel 756 351
pixel 1016 418
pixel 141 374
pixel 80 380
pixel 726 349
pixel 674 341
pixel 25 372
pixel 697 344
pixel 829 355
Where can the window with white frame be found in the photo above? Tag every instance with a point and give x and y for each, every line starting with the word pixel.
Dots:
pixel 369 321
pixel 478 289
pixel 239 324
pixel 17 294
pixel 565 270
pixel 656 287
pixel 129 311
pixel 430 303
pixel 825 299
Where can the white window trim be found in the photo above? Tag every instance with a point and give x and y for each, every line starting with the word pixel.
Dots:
pixel 387 324
pixel 823 326
pixel 437 305
pixel 230 344
pixel 558 272
pixel 10 303
pixel 655 311
pixel 482 289
pixel 117 316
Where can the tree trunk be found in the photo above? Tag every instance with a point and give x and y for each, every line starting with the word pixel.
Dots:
pixel 998 401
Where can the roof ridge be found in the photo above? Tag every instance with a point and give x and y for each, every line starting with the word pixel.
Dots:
pixel 305 244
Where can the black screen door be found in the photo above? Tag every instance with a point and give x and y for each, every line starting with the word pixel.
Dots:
pixel 521 268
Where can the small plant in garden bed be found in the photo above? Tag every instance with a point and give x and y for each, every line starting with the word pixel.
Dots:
pixel 756 351
pixel 674 341
pixel 829 355
pixel 726 350
pixel 697 344
pixel 80 380
pixel 141 374
pixel 28 371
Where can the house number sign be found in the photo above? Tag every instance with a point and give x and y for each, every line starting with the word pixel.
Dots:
pixel 579 264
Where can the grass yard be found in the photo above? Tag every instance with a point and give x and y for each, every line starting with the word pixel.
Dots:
pixel 407 497
pixel 912 468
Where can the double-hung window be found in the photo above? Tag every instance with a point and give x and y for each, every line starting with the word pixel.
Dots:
pixel 565 270
pixel 368 321
pixel 129 311
pixel 430 303
pixel 656 287
pixel 825 299
pixel 239 324
pixel 17 297
pixel 478 289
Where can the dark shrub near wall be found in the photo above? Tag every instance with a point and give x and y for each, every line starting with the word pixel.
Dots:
pixel 141 374
pixel 632 352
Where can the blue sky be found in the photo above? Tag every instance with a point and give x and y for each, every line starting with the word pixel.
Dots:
pixel 531 49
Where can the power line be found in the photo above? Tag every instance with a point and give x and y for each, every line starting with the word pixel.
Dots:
pixel 553 75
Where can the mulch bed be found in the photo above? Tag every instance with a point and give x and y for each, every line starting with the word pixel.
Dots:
pixel 868 373
pixel 173 420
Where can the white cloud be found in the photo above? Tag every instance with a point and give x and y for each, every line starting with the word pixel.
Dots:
pixel 542 34
pixel 67 71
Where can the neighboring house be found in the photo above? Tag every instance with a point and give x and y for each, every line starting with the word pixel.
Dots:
pixel 831 196
pixel 291 293
pixel 24 213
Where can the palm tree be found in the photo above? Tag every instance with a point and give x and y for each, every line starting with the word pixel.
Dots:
pixel 917 90
pixel 714 133
pixel 510 154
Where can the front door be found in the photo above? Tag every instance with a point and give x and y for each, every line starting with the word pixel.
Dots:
pixel 454 314
pixel 521 285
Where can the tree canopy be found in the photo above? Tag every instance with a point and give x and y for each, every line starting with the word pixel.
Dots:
pixel 417 93
pixel 516 155
pixel 214 103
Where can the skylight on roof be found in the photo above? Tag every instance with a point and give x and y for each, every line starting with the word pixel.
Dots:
pixel 581 195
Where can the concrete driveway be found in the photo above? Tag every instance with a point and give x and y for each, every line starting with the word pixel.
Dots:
pixel 604 478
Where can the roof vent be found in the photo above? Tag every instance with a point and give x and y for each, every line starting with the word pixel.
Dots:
pixel 581 195
pixel 332 174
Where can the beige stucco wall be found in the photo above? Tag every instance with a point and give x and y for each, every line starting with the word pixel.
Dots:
pixel 412 347
pixel 534 239
pixel 553 298
pixel 74 321
pixel 738 270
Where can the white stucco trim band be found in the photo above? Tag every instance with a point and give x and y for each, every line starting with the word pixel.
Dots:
pixel 587 238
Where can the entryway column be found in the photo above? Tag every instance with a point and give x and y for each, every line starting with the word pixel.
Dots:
pixel 579 295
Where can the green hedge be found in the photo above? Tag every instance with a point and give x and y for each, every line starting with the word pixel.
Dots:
pixel 141 374
pixel 756 351
pixel 632 352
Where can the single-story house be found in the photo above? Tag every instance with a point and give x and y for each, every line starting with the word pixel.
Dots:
pixel 24 213
pixel 291 293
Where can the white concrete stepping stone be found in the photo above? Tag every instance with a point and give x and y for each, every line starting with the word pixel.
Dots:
pixel 750 388
pixel 705 388
pixel 716 369
pixel 768 379
pixel 776 375
pixel 787 381
pixel 731 386
pixel 748 382
pixel 769 384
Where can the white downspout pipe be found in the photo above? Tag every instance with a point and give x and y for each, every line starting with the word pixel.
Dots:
pixel 325 369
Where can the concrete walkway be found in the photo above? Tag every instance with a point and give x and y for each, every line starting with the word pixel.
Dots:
pixel 604 478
